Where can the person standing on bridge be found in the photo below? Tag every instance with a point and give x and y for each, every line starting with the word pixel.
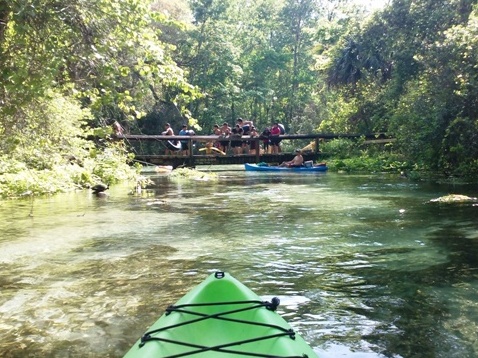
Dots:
pixel 274 138
pixel 236 145
pixel 185 143
pixel 170 145
pixel 225 133
pixel 265 136
pixel 254 144
pixel 246 128
pixel 118 129
pixel 217 131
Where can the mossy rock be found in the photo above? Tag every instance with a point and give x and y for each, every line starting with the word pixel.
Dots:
pixel 192 174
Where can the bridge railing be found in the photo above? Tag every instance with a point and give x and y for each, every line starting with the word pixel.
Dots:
pixel 312 149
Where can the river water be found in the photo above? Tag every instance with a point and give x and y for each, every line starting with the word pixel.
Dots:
pixel 365 266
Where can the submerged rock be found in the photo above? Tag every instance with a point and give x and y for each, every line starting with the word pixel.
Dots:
pixel 454 198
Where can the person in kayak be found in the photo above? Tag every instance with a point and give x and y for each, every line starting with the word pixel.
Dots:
pixel 298 160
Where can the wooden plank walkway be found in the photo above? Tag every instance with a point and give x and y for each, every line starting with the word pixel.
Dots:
pixel 196 142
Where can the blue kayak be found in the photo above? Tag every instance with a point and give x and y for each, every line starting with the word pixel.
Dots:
pixel 261 168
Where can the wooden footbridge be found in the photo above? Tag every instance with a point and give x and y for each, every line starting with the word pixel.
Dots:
pixel 199 155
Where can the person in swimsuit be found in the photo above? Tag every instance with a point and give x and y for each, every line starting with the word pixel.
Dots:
pixel 236 145
pixel 225 133
pixel 297 162
pixel 274 138
pixel 170 145
pixel 217 131
pixel 253 145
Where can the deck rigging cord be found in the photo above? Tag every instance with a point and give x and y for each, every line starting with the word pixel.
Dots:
pixel 223 348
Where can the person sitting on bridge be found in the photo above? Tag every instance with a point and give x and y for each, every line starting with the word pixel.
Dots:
pixel 211 149
pixel 298 160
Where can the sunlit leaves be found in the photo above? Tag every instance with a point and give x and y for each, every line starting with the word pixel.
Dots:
pixel 104 54
pixel 413 71
pixel 104 45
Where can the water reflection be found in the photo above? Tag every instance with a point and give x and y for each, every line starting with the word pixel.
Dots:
pixel 363 265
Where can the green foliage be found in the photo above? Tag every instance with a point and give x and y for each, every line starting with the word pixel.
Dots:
pixel 337 116
pixel 411 72
pixel 341 148
pixel 69 68
pixel 416 122
pixel 110 167
pixel 384 163
pixel 46 150
pixel 108 61
pixel 460 148
pixel 252 59
pixel 355 165
pixel 45 132
pixel 358 156
pixel 111 164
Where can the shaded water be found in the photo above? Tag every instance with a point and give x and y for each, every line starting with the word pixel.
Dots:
pixel 365 267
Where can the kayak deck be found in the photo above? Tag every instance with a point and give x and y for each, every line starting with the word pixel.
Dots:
pixel 221 317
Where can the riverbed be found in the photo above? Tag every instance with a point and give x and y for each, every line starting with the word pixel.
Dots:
pixel 365 266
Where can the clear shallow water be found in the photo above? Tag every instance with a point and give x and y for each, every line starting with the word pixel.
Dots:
pixel 365 267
